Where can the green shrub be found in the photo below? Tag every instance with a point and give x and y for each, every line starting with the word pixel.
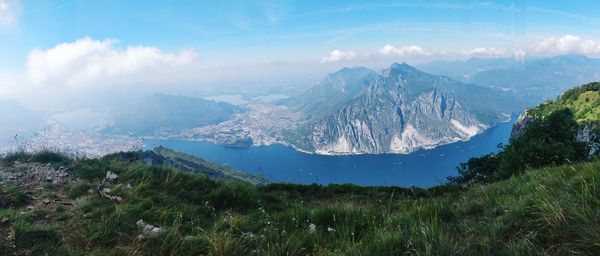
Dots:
pixel 548 140
pixel 235 195
pixel 37 238
pixel 44 157
pixel 12 196
pixel 77 189
pixel 195 245
pixel 90 169
pixel 49 157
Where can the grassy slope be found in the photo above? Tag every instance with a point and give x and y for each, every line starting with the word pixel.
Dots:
pixel 583 101
pixel 553 210
pixel 193 163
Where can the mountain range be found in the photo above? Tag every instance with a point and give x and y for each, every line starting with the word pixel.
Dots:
pixel 395 110
pixel 534 79
pixel 160 114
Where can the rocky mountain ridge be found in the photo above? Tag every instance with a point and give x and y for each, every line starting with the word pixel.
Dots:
pixel 396 110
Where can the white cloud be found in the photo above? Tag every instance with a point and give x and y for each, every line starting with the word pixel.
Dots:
pixel 91 62
pixel 10 10
pixel 413 50
pixel 567 44
pixel 337 55
pixel 486 52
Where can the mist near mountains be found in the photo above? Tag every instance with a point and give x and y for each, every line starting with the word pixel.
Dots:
pixel 476 92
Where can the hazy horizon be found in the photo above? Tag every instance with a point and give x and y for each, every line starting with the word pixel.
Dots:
pixel 54 52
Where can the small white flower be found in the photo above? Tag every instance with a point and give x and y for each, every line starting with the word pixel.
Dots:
pixel 330 229
pixel 312 228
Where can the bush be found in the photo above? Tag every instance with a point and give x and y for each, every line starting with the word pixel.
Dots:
pixel 90 169
pixel 549 140
pixel 12 157
pixel 12 196
pixel 195 245
pixel 77 189
pixel 37 238
pixel 49 157
pixel 235 195
pixel 43 157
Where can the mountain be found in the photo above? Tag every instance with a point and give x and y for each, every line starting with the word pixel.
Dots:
pixel 536 79
pixel 159 114
pixel 333 92
pixel 163 157
pixel 399 109
pixel 463 70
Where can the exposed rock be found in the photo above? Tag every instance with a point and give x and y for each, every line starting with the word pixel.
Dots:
pixel 590 134
pixel 247 235
pixel 111 176
pixel 147 228
pixel 31 175
pixel 397 110
pixel 312 228
pixel 104 193
pixel 519 126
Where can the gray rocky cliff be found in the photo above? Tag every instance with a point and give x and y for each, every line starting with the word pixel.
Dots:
pixel 399 110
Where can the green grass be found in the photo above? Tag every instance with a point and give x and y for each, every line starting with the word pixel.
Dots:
pixel 583 101
pixel 548 211
pixel 12 196
pixel 45 157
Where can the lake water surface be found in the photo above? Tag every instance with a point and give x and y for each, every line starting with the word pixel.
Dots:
pixel 280 163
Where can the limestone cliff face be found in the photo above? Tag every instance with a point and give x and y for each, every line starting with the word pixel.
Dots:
pixel 589 133
pixel 519 126
pixel 376 124
pixel 397 110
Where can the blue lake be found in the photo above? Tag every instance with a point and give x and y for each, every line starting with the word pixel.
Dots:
pixel 278 163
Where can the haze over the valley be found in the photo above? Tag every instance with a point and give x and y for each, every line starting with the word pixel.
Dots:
pixel 84 72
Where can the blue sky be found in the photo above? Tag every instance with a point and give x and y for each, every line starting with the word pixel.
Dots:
pixel 294 29
pixel 263 36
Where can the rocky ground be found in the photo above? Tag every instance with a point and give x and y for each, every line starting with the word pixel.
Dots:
pixel 40 185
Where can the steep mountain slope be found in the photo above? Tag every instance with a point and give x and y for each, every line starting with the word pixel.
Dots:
pixel 160 113
pixel 399 109
pixel 333 92
pixel 164 157
pixel 583 101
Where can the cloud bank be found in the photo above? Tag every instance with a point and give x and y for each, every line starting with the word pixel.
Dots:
pixel 545 47
pixel 337 55
pixel 567 44
pixel 88 62
pixel 413 50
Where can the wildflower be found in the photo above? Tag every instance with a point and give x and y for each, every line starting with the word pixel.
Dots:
pixel 312 228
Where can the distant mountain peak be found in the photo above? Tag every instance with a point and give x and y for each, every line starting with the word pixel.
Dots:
pixel 352 71
pixel 402 67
